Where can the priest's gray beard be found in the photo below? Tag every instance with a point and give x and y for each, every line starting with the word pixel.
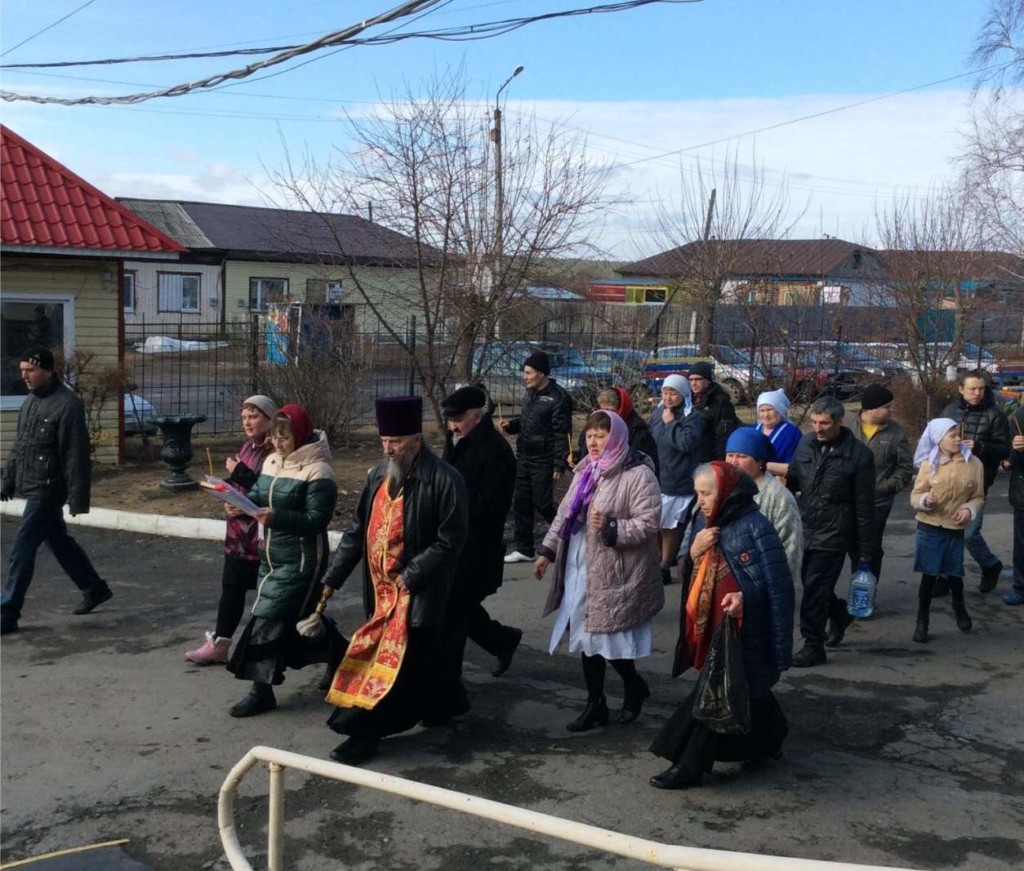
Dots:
pixel 397 471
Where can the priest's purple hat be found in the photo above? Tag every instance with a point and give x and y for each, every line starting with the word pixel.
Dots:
pixel 399 415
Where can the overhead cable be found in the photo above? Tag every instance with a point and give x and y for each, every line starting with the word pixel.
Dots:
pixel 338 37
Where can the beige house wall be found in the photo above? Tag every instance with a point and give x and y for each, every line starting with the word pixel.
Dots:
pixel 147 310
pixel 393 291
pixel 93 328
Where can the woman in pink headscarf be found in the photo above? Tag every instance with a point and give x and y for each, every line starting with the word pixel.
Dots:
pixel 607 584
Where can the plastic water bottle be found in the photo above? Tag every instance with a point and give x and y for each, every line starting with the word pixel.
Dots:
pixel 860 601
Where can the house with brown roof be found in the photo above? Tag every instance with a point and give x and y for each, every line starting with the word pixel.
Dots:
pixel 240 259
pixel 772 271
pixel 63 244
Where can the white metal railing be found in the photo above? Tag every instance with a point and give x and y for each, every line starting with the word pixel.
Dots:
pixel 651 852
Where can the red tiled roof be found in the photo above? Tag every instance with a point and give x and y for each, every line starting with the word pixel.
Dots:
pixel 43 204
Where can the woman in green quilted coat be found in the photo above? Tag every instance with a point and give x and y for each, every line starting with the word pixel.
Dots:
pixel 296 492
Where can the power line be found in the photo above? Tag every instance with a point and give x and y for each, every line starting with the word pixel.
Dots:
pixel 457 33
pixel 330 39
pixel 48 27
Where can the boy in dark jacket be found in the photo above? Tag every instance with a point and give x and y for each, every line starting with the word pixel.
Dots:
pixel 48 466
pixel 894 461
pixel 986 431
pixel 715 408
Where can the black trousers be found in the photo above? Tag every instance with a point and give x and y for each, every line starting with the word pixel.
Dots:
pixel 881 517
pixel 820 572
pixel 239 576
pixel 534 493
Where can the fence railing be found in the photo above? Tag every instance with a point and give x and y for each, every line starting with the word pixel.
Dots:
pixel 651 852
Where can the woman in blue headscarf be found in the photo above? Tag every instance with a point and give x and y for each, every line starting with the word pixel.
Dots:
pixel 949 492
pixel 773 422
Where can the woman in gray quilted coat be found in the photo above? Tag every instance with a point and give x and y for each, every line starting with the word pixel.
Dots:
pixel 607 584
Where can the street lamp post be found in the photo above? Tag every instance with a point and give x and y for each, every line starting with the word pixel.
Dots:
pixel 499 189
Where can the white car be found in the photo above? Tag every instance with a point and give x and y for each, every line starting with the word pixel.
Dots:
pixel 139 415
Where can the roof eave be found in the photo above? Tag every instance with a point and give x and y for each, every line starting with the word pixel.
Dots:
pixel 58 251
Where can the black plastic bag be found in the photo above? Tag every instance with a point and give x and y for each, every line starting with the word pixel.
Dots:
pixel 722 700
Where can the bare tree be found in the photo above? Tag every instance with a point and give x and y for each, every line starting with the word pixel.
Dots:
pixel 934 253
pixel 720 206
pixel 425 164
pixel 998 53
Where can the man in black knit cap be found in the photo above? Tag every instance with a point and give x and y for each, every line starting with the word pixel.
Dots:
pixel 543 431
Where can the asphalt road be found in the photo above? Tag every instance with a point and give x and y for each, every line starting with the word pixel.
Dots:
pixel 899 754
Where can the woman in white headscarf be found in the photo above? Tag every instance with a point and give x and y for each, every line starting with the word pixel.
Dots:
pixel 773 422
pixel 676 429
pixel 949 492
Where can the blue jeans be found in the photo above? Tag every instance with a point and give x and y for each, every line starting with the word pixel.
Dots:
pixel 43 521
pixel 976 544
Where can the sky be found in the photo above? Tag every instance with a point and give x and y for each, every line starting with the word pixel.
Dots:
pixel 655 89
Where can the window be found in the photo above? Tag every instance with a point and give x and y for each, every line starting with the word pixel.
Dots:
pixel 27 320
pixel 129 291
pixel 177 292
pixel 655 294
pixel 263 291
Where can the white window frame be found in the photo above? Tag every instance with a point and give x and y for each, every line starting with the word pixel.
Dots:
pixel 13 403
pixel 133 276
pixel 181 308
pixel 261 299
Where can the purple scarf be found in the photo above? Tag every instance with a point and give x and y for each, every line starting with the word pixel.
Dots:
pixel 590 472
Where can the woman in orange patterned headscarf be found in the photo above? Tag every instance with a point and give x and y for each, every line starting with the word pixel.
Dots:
pixel 738 567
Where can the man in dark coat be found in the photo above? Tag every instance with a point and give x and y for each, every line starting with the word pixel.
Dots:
pixel 48 466
pixel 483 457
pixel 1015 597
pixel 834 476
pixel 986 431
pixel 894 461
pixel 715 408
pixel 408 531
pixel 542 432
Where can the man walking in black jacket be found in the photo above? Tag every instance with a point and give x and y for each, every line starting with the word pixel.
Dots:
pixel 834 475
pixel 986 431
pixel 48 465
pixel 543 430
pixel 715 408
pixel 482 455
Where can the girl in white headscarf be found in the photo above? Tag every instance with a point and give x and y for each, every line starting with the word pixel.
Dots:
pixel 948 493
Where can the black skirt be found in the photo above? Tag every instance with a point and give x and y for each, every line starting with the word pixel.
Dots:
pixel 690 741
pixel 267 647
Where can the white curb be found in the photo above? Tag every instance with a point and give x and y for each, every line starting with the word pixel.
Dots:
pixel 203 529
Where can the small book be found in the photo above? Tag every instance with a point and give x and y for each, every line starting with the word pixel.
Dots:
pixel 226 493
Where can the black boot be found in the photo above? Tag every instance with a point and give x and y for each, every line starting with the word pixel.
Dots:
pixel 676 777
pixel 924 604
pixel 956 599
pixel 258 700
pixel 838 624
pixel 666 576
pixel 594 714
pixel 505 657
pixel 633 699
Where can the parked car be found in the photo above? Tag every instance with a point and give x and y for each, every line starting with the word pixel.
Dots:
pixel 139 415
pixel 500 367
pixel 734 370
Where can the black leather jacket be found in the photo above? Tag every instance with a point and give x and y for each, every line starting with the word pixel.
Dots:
pixel 542 427
pixel 719 421
pixel 836 487
pixel 988 426
pixel 1017 464
pixel 435 520
pixel 50 455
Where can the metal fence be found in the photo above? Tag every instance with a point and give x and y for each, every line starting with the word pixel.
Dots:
pixel 209 368
pixel 606 841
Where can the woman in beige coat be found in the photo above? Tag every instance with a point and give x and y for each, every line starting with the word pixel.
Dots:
pixel 607 585
pixel 948 494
